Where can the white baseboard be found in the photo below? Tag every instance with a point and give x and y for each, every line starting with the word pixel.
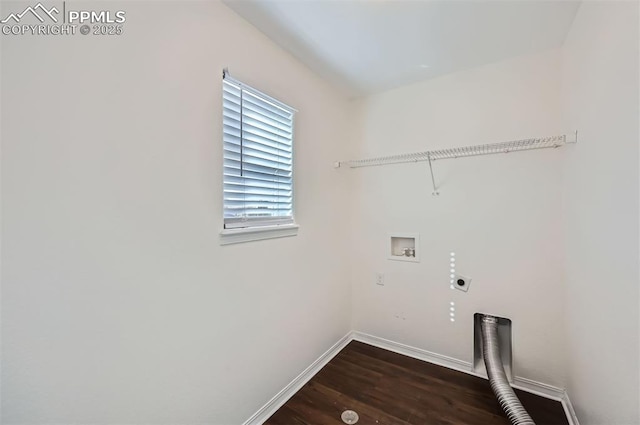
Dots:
pixel 416 353
pixel 524 384
pixel 298 382
pixel 538 388
pixel 568 408
pixel 548 391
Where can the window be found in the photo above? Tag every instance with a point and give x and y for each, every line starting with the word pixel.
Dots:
pixel 258 158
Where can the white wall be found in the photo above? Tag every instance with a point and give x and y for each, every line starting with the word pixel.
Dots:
pixel 600 97
pixel 501 214
pixel 118 303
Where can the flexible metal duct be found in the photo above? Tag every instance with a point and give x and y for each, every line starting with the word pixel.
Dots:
pixel 497 377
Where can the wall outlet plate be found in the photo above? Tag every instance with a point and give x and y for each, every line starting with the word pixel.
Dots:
pixel 461 283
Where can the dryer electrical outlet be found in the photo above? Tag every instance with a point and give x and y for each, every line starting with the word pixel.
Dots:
pixel 461 283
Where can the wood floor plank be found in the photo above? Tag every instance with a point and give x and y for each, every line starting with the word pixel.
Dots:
pixel 387 388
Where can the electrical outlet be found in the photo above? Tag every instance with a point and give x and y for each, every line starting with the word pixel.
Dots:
pixel 380 279
pixel 461 283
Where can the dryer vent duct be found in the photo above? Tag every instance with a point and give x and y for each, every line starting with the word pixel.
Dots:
pixel 497 377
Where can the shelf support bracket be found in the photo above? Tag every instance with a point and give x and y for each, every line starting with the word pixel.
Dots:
pixel 433 180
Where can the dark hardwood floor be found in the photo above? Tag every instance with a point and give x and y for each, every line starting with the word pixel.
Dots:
pixel 388 388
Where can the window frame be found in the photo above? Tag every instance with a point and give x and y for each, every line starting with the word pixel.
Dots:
pixel 262 228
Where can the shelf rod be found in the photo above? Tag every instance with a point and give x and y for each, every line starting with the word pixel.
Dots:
pixel 474 150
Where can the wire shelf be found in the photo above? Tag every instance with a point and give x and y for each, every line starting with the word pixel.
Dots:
pixel 476 150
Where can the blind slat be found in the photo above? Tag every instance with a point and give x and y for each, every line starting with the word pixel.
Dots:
pixel 243 197
pixel 274 170
pixel 233 131
pixel 256 127
pixel 256 180
pixel 236 151
pixel 233 112
pixel 260 111
pixel 258 150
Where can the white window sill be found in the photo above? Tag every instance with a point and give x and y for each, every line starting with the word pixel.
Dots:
pixel 231 236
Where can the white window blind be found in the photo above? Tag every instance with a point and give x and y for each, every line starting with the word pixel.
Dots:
pixel 258 157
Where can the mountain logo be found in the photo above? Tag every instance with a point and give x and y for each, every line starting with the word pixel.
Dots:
pixel 38 11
